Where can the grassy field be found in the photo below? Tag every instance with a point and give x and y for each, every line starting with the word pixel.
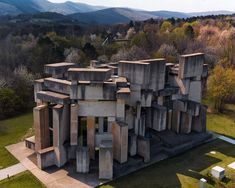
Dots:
pixel 184 170
pixel 223 123
pixel 22 180
pixel 12 131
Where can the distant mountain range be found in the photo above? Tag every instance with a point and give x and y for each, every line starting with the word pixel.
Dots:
pixel 89 14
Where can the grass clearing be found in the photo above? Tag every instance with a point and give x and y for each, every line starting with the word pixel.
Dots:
pixel 184 170
pixel 22 180
pixel 12 131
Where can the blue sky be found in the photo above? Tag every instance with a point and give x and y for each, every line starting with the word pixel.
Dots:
pixel 173 5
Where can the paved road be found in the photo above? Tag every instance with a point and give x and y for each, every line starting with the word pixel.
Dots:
pixel 11 171
pixel 227 139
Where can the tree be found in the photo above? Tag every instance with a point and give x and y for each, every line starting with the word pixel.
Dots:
pixel 166 26
pixel 189 32
pixel 221 86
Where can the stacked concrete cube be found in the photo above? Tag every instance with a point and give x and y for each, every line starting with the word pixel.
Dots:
pixel 110 108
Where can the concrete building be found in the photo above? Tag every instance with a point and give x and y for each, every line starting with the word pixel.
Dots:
pixel 111 112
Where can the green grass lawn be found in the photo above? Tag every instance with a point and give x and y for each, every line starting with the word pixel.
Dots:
pixel 22 180
pixel 12 131
pixel 222 123
pixel 184 170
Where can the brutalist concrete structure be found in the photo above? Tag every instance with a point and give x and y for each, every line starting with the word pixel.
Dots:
pixel 114 112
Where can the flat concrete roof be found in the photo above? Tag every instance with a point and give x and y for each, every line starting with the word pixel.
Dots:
pixel 135 62
pixel 54 94
pixel 191 55
pixel 88 70
pixel 124 90
pixel 58 81
pixel 153 60
pixel 62 64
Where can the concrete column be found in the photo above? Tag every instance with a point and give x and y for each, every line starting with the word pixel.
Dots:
pixel 91 136
pixel 106 160
pixel 142 125
pixel 130 118
pixel 143 148
pixel 176 121
pixel 160 100
pixel 169 119
pixel 120 109
pixel 132 144
pixel 120 141
pixel 101 124
pixel 186 123
pixel 61 122
pixel 149 117
pixel 137 118
pixel 110 123
pixel 41 125
pixel 82 160
pixel 74 125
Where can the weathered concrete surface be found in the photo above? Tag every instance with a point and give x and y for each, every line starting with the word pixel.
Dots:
pixel 143 148
pixel 191 65
pixel 159 117
pixel 91 136
pixel 41 125
pixel 46 158
pixel 132 144
pixel 83 160
pixel 74 125
pixel 106 160
pixel 120 141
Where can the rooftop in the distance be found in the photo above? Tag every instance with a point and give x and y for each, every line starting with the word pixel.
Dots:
pixel 62 64
pixel 87 70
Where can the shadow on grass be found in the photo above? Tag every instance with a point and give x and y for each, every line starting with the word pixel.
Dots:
pixel 164 174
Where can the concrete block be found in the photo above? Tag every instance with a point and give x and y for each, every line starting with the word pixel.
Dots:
pixel 185 123
pixel 159 117
pixel 101 124
pixel 169 119
pixel 218 172
pixel 180 105
pixel 30 143
pixel 61 122
pixel 87 74
pixel 199 122
pixel 74 125
pixel 53 97
pixel 195 92
pixel 146 98
pixel 106 160
pixel 176 121
pixel 202 183
pixel 93 108
pixel 137 118
pixel 45 158
pixel 132 144
pixel 143 148
pixel 58 85
pixel 129 117
pixel 41 125
pixel 91 136
pixel 120 110
pixel 100 137
pixel 120 141
pixel 58 70
pixel 191 65
pixel 82 160
pixel 149 117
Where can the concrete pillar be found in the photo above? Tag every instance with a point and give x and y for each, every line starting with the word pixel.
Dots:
pixel 61 122
pixel 120 110
pixel 130 118
pixel 137 118
pixel 202 183
pixel 101 124
pixel 120 141
pixel 106 160
pixel 169 119
pixel 143 148
pixel 160 100
pixel 176 121
pixel 110 123
pixel 91 136
pixel 132 144
pixel 41 125
pixel 199 122
pixel 82 160
pixel 149 117
pixel 185 123
pixel 142 125
pixel 74 125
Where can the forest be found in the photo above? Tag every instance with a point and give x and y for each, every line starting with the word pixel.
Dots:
pixel 27 43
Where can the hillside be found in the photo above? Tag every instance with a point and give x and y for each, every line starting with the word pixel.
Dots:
pixel 13 7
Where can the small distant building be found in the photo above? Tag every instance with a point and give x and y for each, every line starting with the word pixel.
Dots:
pixel 218 172
pixel 113 112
